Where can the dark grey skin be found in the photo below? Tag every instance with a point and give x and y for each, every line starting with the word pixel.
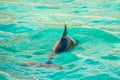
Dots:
pixel 64 44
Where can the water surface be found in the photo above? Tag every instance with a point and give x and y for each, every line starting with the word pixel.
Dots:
pixel 30 28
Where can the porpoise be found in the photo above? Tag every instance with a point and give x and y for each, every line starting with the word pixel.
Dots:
pixel 64 44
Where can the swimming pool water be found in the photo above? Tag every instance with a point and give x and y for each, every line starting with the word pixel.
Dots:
pixel 30 28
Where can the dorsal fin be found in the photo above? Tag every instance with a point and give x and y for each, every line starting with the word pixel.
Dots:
pixel 65 31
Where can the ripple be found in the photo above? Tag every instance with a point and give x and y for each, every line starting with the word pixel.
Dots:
pixel 14 29
pixel 115 71
pixel 79 11
pixel 111 57
pixel 100 77
pixel 68 58
pixel 108 22
pixel 91 62
pixel 10 49
pixel 39 52
pixel 117 7
pixel 57 75
pixel 4 37
pixel 2 77
pixel 23 56
pixel 47 7
pixel 13 7
pixel 73 76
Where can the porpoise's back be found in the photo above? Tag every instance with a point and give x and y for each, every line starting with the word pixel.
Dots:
pixel 64 43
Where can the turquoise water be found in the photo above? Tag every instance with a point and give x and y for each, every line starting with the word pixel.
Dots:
pixel 30 28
